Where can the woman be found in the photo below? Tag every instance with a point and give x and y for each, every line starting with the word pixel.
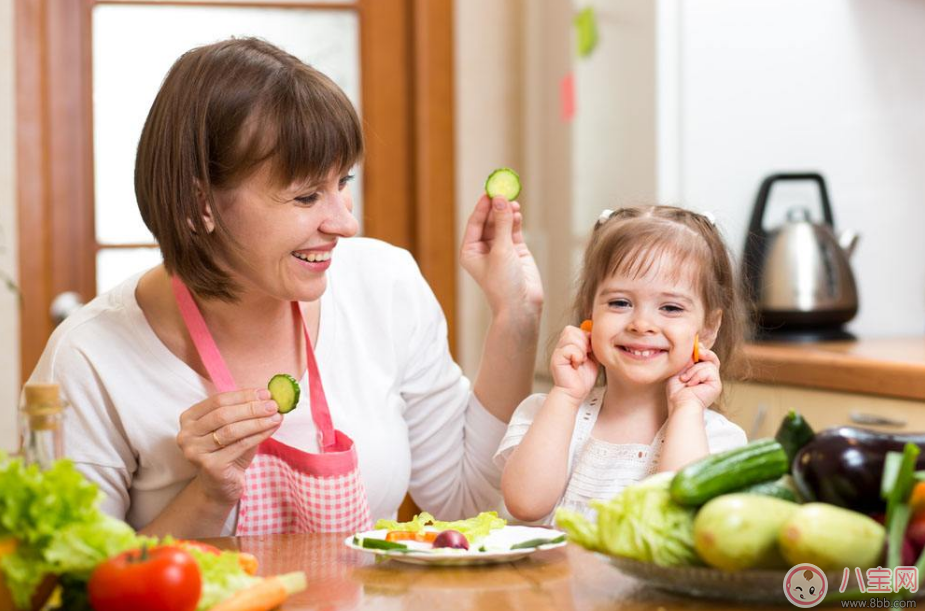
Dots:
pixel 242 175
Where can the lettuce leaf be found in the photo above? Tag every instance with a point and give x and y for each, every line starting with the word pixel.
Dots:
pixel 55 518
pixel 643 523
pixel 222 576
pixel 578 528
pixel 474 529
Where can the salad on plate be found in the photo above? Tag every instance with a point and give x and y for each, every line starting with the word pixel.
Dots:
pixel 483 539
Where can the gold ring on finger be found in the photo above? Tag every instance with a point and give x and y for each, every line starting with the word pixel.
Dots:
pixel 217 442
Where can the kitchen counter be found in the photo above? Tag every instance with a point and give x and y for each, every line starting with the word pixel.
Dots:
pixel 886 367
pixel 564 579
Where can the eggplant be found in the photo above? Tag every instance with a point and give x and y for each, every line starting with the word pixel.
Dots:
pixel 843 466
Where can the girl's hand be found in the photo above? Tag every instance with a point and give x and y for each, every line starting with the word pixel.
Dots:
pixel 220 436
pixel 495 255
pixel 573 367
pixel 698 384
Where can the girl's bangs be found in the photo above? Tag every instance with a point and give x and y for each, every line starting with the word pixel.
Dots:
pixel 665 250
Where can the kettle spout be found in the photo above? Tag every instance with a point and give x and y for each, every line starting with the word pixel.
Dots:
pixel 848 240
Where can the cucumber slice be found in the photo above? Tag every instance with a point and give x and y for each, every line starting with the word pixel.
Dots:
pixel 382 544
pixel 537 542
pixel 504 182
pixel 285 391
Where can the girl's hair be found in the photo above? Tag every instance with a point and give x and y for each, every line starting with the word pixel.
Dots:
pixel 223 111
pixel 632 241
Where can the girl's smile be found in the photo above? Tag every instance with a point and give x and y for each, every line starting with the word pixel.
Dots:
pixel 642 352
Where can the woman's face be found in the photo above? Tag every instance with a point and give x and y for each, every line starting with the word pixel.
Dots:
pixel 644 327
pixel 286 237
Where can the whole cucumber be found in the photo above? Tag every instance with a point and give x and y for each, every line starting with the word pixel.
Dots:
pixel 794 433
pixel 717 474
pixel 843 466
pixel 735 532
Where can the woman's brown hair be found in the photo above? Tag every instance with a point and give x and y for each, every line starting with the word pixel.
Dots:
pixel 632 241
pixel 222 112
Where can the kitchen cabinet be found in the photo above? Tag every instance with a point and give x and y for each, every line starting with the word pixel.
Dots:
pixel 874 383
pixel 759 407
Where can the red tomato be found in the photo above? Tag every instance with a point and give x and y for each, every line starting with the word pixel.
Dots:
pixel 156 579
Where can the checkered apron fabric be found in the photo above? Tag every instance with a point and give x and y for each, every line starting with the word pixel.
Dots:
pixel 287 490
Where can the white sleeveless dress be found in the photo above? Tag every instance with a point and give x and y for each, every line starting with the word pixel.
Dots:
pixel 599 469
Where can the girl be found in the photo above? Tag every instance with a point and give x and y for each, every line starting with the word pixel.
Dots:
pixel 655 279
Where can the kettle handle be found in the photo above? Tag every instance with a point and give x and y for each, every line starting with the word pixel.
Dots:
pixel 761 202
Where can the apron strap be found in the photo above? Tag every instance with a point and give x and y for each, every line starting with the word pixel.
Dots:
pixel 321 414
pixel 221 376
pixel 202 338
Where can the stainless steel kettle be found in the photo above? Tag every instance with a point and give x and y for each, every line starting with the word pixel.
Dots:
pixel 798 276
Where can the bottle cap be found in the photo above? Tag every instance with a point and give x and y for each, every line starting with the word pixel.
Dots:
pixel 42 406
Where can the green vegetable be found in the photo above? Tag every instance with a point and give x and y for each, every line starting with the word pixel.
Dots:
pixel 896 487
pixel 714 475
pixel 531 543
pixel 56 519
pixel 285 391
pixel 794 433
pixel 222 576
pixel 504 182
pixel 578 528
pixel 831 538
pixel 781 488
pixel 644 523
pixel 474 529
pixel 371 543
pixel 735 532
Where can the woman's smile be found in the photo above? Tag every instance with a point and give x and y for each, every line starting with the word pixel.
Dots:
pixel 315 259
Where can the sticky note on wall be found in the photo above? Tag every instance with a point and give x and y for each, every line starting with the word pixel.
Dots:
pixel 567 97
pixel 586 31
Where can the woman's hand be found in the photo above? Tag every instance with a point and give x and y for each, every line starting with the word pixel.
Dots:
pixel 495 255
pixel 573 367
pixel 220 436
pixel 697 384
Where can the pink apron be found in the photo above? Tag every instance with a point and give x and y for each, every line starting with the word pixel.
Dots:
pixel 287 490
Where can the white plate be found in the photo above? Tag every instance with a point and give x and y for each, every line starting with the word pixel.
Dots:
pixel 498 544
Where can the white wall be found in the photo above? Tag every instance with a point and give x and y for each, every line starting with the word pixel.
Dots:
pixel 487 71
pixel 9 312
pixel 829 85
pixel 745 89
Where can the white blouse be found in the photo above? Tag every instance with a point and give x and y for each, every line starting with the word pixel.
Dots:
pixel 598 469
pixel 390 381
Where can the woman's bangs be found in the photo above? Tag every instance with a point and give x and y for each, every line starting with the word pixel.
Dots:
pixel 315 138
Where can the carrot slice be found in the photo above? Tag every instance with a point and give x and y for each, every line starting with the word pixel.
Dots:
pixel 586 326
pixel 400 535
pixel 696 356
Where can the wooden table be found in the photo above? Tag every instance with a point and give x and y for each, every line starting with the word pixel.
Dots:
pixel 565 579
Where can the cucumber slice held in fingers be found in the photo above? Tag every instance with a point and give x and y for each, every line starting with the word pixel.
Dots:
pixel 504 182
pixel 285 390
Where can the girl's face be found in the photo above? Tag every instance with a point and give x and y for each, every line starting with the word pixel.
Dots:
pixel 644 327
pixel 287 236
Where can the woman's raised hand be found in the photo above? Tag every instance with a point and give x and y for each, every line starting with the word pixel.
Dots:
pixel 220 436
pixel 495 255
pixel 573 367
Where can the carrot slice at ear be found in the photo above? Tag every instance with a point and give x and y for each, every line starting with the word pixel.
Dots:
pixel 586 325
pixel 696 348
